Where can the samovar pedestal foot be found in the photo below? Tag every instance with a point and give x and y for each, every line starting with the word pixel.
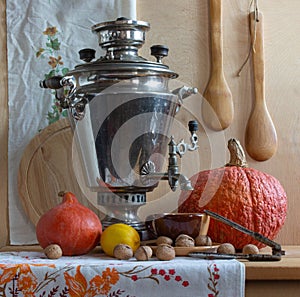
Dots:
pixel 123 208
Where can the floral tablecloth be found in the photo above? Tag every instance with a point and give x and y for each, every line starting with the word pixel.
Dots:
pixel 32 274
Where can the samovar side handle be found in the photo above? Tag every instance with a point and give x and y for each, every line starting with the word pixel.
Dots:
pixel 182 93
pixel 72 101
pixel 58 83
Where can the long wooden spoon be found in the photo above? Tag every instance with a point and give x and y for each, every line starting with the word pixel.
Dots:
pixel 261 136
pixel 217 109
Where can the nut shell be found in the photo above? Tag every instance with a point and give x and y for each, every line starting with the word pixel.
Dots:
pixel 143 253
pixel 164 239
pixel 226 248
pixel 203 240
pixel 123 252
pixel 250 249
pixel 165 252
pixel 53 251
pixel 184 240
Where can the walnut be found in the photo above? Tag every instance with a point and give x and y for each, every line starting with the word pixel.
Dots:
pixel 226 248
pixel 203 240
pixel 123 252
pixel 165 252
pixel 143 253
pixel 184 240
pixel 164 239
pixel 250 249
pixel 53 251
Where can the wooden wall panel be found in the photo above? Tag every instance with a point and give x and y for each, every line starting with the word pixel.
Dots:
pixel 3 130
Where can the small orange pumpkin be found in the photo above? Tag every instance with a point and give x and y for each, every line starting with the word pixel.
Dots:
pixel 249 197
pixel 74 227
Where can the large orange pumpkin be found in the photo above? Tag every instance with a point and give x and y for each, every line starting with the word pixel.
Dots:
pixel 249 197
pixel 74 227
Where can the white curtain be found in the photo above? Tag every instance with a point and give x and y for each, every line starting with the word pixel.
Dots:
pixel 28 103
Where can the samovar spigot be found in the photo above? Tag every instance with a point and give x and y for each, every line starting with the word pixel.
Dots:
pixel 173 175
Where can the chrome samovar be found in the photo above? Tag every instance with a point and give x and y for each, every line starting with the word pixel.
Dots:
pixel 121 111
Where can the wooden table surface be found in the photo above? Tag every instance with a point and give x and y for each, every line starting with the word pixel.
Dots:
pixel 286 269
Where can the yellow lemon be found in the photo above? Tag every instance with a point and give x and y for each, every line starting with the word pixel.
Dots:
pixel 119 233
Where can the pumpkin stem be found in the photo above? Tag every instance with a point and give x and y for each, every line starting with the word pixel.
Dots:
pixel 61 193
pixel 68 197
pixel 237 154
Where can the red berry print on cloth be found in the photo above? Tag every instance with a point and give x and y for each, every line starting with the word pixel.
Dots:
pixel 162 272
pixel 134 277
pixel 167 277
pixel 214 276
pixel 172 271
pixel 158 275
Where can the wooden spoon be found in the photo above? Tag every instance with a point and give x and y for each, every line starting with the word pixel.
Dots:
pixel 217 109
pixel 260 137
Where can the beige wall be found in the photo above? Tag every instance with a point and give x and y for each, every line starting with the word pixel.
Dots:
pixel 183 26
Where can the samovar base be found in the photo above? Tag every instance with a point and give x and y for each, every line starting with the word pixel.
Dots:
pixel 123 208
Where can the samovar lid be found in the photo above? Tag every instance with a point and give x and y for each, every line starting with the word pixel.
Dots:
pixel 121 40
pixel 120 33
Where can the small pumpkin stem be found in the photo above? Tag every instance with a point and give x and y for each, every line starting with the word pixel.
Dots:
pixel 61 193
pixel 237 154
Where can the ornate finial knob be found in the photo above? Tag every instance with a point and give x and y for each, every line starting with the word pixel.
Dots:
pixel 87 54
pixel 159 52
pixel 193 126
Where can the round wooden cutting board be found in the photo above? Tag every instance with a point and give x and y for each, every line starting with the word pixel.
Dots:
pixel 49 166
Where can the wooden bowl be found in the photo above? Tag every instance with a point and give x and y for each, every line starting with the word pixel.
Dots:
pixel 174 224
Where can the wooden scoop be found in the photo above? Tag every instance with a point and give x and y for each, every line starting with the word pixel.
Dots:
pixel 260 137
pixel 217 109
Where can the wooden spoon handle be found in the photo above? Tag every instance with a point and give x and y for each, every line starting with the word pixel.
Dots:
pixel 261 137
pixel 216 35
pixel 258 61
pixel 217 108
